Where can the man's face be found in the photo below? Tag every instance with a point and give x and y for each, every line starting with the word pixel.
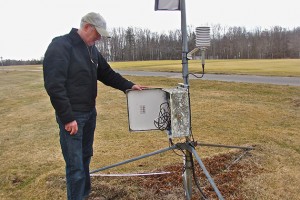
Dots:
pixel 92 35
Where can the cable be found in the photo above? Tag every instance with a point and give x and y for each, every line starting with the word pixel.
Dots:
pixel 171 144
pixel 195 177
pixel 163 122
pixel 201 74
pixel 190 111
pixel 197 182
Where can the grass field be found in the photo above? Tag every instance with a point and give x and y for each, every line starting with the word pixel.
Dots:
pixel 279 67
pixel 265 116
pixel 274 67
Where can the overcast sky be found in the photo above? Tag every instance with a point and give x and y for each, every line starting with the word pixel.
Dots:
pixel 28 26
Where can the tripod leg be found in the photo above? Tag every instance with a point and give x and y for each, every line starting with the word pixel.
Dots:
pixel 211 181
pixel 133 159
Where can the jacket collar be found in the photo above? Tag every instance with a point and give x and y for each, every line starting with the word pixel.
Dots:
pixel 75 37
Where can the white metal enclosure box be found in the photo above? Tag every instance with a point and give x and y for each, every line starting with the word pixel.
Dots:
pixel 143 108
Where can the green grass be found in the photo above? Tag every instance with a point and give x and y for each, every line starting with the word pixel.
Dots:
pixel 267 116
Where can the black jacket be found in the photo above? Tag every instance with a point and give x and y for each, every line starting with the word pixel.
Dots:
pixel 70 77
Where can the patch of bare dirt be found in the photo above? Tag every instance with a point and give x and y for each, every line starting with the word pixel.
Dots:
pixel 227 170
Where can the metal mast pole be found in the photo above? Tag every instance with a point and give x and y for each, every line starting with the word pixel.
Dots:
pixel 187 178
pixel 185 70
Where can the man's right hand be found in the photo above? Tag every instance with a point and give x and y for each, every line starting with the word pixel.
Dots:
pixel 72 127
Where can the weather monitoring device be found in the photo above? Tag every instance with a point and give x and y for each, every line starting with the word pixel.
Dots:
pixel 168 109
pixel 159 109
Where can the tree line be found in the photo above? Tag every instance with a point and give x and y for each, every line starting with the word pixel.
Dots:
pixel 237 42
pixel 9 62
pixel 226 43
pixel 130 44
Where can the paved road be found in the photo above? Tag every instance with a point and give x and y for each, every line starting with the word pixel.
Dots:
pixel 292 81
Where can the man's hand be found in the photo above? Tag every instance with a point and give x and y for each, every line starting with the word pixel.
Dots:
pixel 72 127
pixel 138 87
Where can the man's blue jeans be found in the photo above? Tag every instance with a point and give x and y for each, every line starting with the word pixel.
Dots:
pixel 77 151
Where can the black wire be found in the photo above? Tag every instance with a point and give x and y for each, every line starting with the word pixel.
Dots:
pixel 163 122
pixel 195 177
pixel 193 171
pixel 196 181
pixel 190 111
pixel 201 74
pixel 171 144
pixel 191 144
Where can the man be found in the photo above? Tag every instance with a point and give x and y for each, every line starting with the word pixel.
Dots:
pixel 72 65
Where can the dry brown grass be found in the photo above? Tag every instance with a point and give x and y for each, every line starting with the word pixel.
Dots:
pixel 268 67
pixel 266 116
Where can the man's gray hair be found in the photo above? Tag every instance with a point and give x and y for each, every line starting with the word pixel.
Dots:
pixel 82 23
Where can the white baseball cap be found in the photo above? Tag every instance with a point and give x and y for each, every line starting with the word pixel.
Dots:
pixel 98 21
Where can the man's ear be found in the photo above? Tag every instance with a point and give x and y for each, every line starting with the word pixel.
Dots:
pixel 86 27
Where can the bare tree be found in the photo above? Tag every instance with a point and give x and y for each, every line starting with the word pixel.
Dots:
pixel 226 43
